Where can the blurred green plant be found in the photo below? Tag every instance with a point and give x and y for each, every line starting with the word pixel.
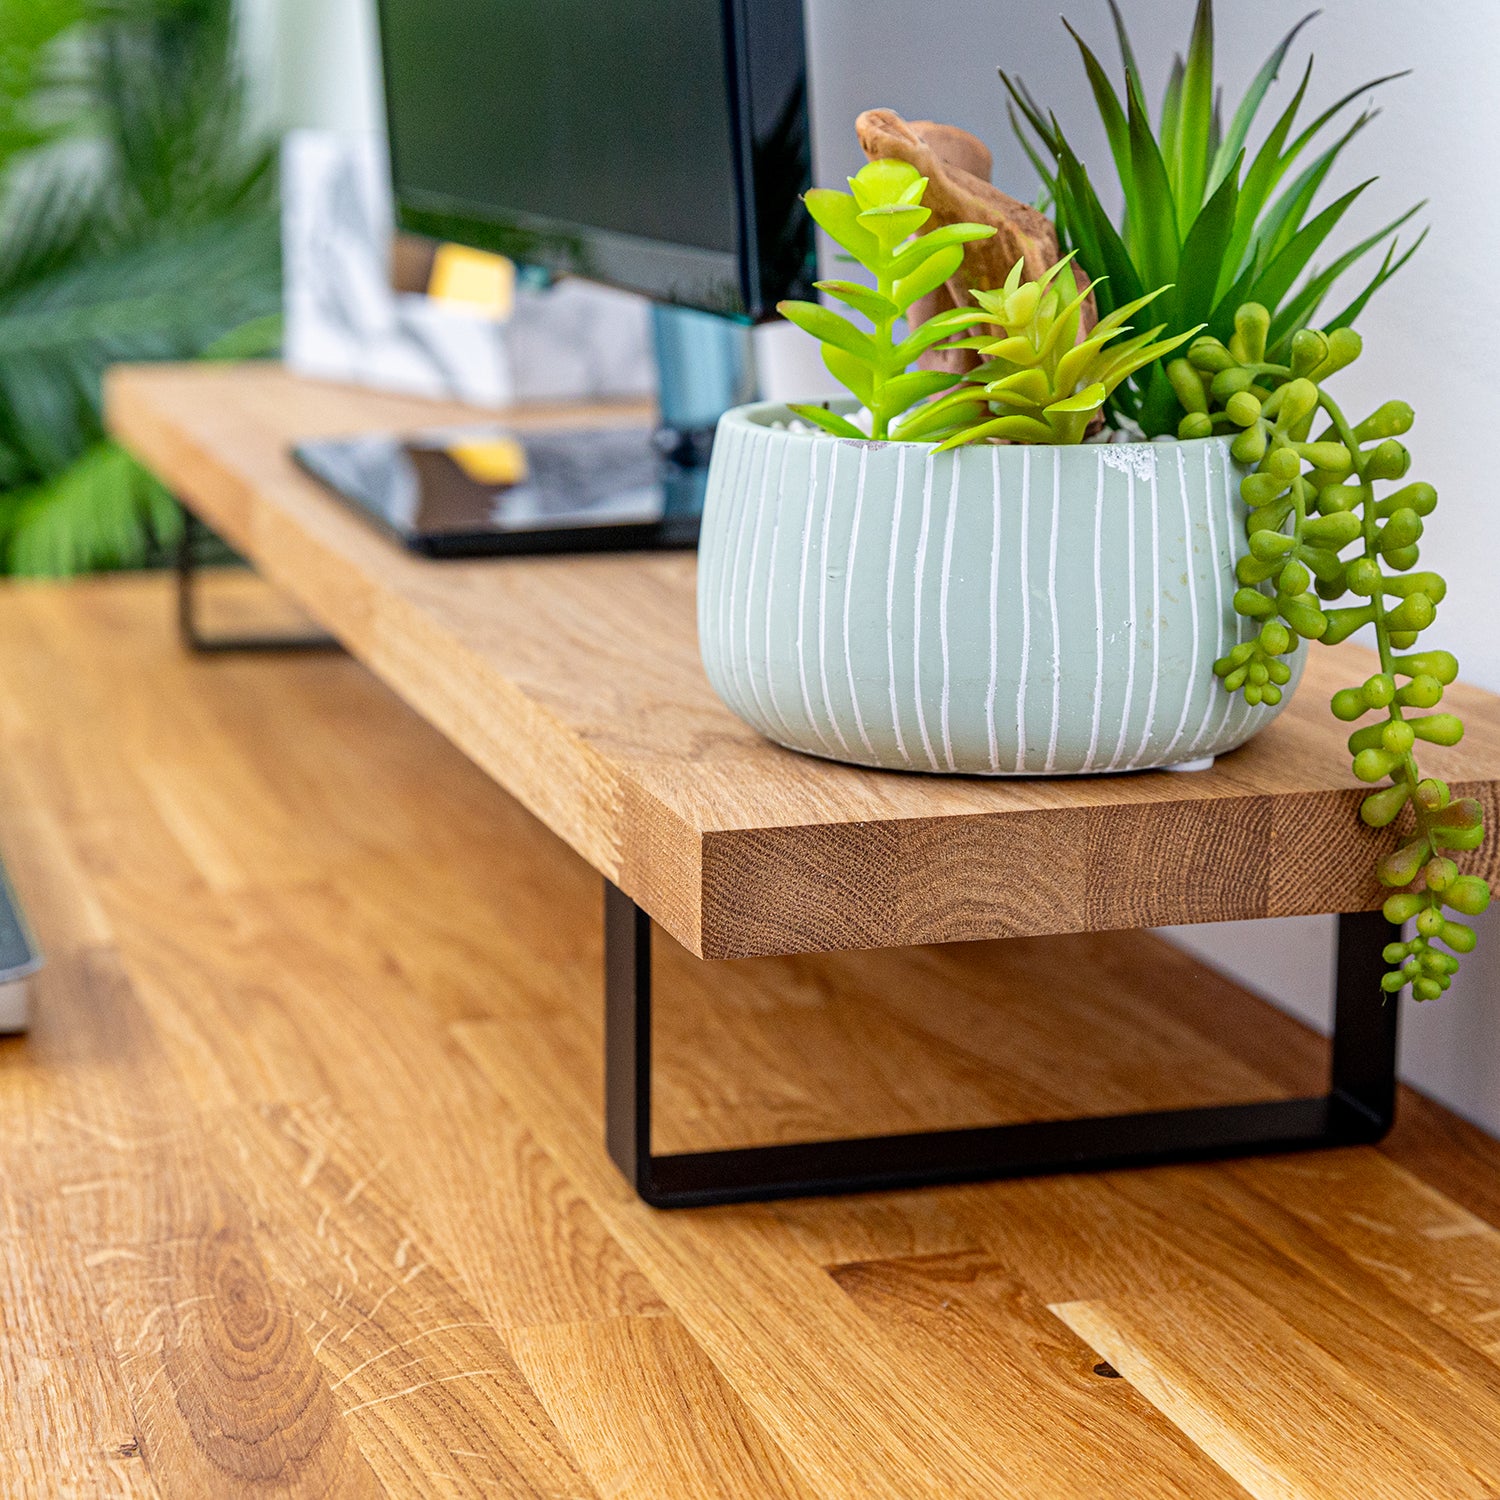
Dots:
pixel 1201 211
pixel 138 221
pixel 876 222
pixel 1038 381
pixel 1319 532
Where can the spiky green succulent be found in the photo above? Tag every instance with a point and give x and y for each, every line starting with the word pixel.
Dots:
pixel 1039 381
pixel 1226 225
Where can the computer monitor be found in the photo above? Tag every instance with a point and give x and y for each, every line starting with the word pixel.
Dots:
pixel 655 145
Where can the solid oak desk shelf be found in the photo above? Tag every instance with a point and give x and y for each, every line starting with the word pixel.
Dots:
pixel 575 683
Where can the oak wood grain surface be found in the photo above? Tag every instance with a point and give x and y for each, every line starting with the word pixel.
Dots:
pixel 303 1190
pixel 575 682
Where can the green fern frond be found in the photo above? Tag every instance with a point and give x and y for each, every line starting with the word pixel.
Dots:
pixel 103 511
pixel 158 241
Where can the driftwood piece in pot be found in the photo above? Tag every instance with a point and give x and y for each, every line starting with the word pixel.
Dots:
pixel 957 166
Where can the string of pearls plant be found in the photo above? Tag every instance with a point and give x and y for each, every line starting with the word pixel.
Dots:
pixel 1319 533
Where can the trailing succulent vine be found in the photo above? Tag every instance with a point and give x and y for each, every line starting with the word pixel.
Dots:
pixel 1319 533
pixel 1043 379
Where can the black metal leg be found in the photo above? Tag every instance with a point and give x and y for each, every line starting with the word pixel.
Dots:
pixel 1358 1108
pixel 1363 1049
pixel 187 620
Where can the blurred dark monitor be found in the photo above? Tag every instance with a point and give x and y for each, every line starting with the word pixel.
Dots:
pixel 656 145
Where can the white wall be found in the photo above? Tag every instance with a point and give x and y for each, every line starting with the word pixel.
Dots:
pixel 318 62
pixel 1430 336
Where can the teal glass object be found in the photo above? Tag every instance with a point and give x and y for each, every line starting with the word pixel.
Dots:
pixel 705 366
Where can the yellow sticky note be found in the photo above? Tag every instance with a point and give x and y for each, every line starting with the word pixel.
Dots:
pixel 475 280
pixel 494 461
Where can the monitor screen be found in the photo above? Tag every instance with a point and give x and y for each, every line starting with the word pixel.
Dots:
pixel 659 145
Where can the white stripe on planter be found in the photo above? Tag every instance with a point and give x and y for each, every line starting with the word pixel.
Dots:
pixel 1218 571
pixel 1025 608
pixel 802 594
pixel 989 702
pixel 833 722
pixel 1130 627
pixel 943 614
pixel 890 603
pixel 737 576
pixel 1052 605
pixel 859 505
pixel 916 602
pixel 1187 539
pixel 750 595
pixel 1088 761
pixel 770 597
pixel 723 520
pixel 714 555
pixel 1140 749
pixel 733 525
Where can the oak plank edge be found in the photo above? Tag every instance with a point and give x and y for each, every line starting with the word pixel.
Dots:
pixel 1034 874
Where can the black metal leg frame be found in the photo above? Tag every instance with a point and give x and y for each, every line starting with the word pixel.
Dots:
pixel 187 617
pixel 1359 1106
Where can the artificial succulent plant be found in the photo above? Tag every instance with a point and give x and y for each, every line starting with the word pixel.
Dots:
pixel 1043 378
pixel 877 222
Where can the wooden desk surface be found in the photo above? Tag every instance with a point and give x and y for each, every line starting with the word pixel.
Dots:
pixel 575 682
pixel 303 1190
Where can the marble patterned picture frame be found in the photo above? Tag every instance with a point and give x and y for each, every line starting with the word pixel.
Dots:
pixel 346 322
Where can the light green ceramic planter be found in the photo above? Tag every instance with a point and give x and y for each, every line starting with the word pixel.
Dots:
pixel 1001 611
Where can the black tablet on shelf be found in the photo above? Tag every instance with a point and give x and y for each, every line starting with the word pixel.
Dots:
pixel 493 491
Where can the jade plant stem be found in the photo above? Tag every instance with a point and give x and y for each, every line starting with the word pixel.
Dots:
pixel 880 412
